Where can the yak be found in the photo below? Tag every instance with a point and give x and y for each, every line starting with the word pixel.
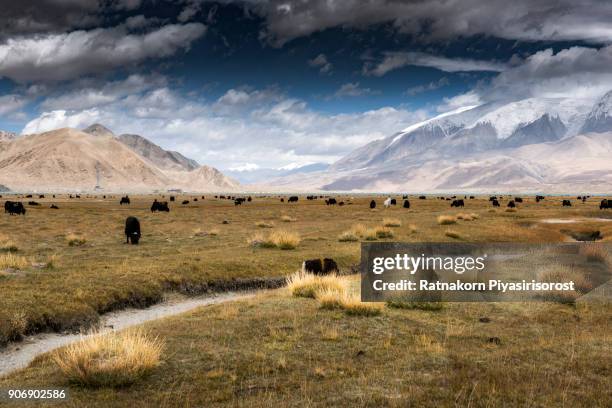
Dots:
pixel 495 203
pixel 132 230
pixel 124 200
pixel 316 267
pixel 566 203
pixel 160 206
pixel 372 204
pixel 605 204
pixel 511 204
pixel 14 208
pixel 457 203
pixel 54 207
pixel 331 201
pixel 185 202
pixel 406 204
pixel 293 199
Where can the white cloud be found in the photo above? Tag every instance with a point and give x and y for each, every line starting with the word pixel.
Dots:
pixel 70 55
pixel 271 133
pixel 11 103
pixel 321 62
pixel 432 86
pixel 470 98
pixel 352 89
pixel 396 60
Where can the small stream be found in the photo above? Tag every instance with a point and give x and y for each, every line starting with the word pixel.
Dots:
pixel 20 355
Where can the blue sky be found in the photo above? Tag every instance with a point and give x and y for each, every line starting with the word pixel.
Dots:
pixel 247 84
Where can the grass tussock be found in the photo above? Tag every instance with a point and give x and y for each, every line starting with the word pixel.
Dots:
pixel 566 274
pixel 112 359
pixel 510 209
pixel 596 253
pixel 213 232
pixel 8 245
pixel 452 234
pixel 383 232
pixel 263 224
pixel 353 306
pixel 391 222
pixel 446 219
pixel 399 303
pixel 303 284
pixel 348 236
pixel 467 217
pixel 276 239
pixel 75 239
pixel 12 261
pixel 286 218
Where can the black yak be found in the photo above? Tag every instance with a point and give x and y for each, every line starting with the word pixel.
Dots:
pixel 605 204
pixel 457 203
pixel 422 197
pixel 293 199
pixel 54 207
pixel 406 204
pixel 124 200
pixel 495 203
pixel 372 204
pixel 132 230
pixel 518 200
pixel 511 204
pixel 185 202
pixel 329 266
pixel 314 266
pixel 160 206
pixel 172 198
pixel 33 203
pixel 566 203
pixel 14 208
pixel 331 201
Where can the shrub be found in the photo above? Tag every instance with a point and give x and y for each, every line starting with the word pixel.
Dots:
pixel 348 236
pixel 285 239
pixel 111 359
pixel 304 284
pixel 10 260
pixel 392 222
pixel 75 240
pixel 383 232
pixel 370 234
pixel 446 219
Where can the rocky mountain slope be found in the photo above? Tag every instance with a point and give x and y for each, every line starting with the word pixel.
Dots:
pixel 535 144
pixel 72 160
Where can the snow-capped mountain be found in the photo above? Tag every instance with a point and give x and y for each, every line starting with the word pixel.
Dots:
pixel 532 144
pixel 600 117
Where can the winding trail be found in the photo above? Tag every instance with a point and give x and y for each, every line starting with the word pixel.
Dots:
pixel 20 355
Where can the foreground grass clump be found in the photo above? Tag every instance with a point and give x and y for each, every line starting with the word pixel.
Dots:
pixel 286 218
pixel 452 234
pixel 276 239
pixel 353 306
pixel 566 274
pixel 13 261
pixel 348 236
pixel 467 217
pixel 383 232
pixel 596 253
pixel 400 303
pixel 112 359
pixel 6 245
pixel 75 240
pixel 447 219
pixel 391 222
pixel 263 224
pixel 303 284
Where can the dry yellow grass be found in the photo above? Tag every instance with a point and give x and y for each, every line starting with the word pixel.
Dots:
pixel 353 306
pixel 303 284
pixel 10 260
pixel 446 219
pixel 286 218
pixel 596 253
pixel 467 217
pixel 348 236
pixel 75 240
pixel 391 222
pixel 214 232
pixel 370 234
pixel 566 274
pixel 8 245
pixel 112 359
pixel 383 232
pixel 264 224
pixel 276 239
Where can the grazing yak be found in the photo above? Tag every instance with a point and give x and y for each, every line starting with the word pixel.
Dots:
pixel 566 203
pixel 124 200
pixel 422 197
pixel 41 196
pixel 239 200
pixel 132 230
pixel 457 203
pixel 387 202
pixel 33 203
pixel 172 198
pixel 518 199
pixel 293 199
pixel 492 198
pixel 14 208
pixel 249 199
pixel 406 204
pixel 54 207
pixel 539 198
pixel 185 202
pixel 511 204
pixel 341 203
pixel 372 204
pixel 316 267
pixel 605 204
pixel 331 201
pixel 495 203
pixel 282 200
pixel 160 206
pixel 393 201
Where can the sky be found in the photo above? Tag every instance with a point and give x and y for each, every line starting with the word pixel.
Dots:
pixel 247 85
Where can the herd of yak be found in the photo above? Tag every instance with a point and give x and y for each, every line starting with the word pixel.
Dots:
pixel 132 225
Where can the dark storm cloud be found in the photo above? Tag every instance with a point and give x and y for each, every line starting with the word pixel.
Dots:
pixel 528 20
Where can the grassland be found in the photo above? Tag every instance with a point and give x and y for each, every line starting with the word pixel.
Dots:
pixel 282 350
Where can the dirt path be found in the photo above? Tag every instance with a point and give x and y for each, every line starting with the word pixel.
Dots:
pixel 19 355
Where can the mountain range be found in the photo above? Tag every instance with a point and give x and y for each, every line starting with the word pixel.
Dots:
pixel 535 144
pixel 95 159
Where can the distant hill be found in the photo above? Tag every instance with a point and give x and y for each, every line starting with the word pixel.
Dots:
pixel 164 159
pixel 70 160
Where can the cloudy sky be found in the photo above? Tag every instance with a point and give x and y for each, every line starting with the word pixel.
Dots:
pixel 278 84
